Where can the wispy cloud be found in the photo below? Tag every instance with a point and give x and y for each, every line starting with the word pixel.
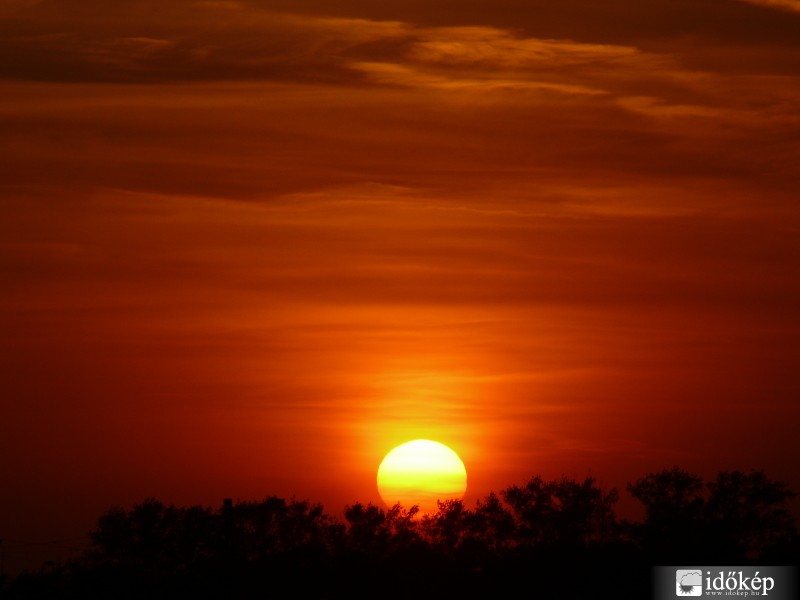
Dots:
pixel 189 41
pixel 790 5
pixel 495 48
pixel 398 74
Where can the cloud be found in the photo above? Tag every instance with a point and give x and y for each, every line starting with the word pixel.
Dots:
pixel 397 74
pixel 658 108
pixel 495 48
pixel 485 58
pixel 641 92
pixel 188 41
pixel 185 41
pixel 790 5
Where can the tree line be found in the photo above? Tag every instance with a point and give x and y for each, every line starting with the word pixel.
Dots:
pixel 554 539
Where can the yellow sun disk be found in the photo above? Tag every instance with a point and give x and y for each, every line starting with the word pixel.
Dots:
pixel 421 472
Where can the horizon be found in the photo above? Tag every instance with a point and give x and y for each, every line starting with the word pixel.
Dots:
pixel 248 247
pixel 634 513
pixel 563 534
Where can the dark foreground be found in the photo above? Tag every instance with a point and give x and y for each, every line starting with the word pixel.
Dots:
pixel 546 539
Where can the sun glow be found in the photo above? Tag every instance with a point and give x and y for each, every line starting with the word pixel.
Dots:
pixel 420 472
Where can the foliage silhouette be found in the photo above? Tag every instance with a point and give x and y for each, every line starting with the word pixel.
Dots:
pixel 748 516
pixel 735 519
pixel 564 512
pixel 674 516
pixel 555 539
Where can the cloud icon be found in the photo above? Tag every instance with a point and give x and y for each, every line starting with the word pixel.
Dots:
pixel 692 578
pixel 690 581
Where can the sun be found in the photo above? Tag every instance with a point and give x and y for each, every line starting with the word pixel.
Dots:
pixel 420 472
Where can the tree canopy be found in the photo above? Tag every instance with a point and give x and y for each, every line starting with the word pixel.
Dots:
pixel 557 538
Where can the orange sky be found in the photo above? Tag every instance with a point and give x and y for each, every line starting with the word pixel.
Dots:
pixel 248 247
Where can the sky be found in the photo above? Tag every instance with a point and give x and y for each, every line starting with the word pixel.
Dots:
pixel 248 247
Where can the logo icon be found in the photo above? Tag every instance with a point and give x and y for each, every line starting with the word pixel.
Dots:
pixel 688 582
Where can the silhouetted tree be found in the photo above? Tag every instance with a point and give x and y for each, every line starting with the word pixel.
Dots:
pixel 446 528
pixel 674 529
pixel 385 545
pixel 748 515
pixel 492 524
pixel 564 512
pixel 736 518
pixel 275 526
pixel 556 539
pixel 369 530
pixel 153 537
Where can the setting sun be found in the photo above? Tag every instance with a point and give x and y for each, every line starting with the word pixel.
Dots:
pixel 420 472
